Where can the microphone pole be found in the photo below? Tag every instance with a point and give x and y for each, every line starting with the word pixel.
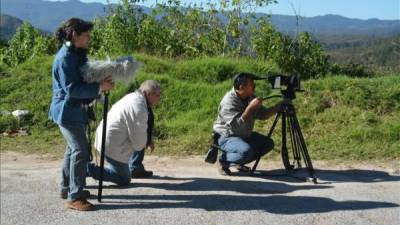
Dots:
pixel 103 145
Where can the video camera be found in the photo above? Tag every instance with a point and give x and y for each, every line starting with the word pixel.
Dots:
pixel 291 82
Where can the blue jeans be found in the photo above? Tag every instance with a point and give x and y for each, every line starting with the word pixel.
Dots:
pixel 76 158
pixel 240 151
pixel 116 172
pixel 136 161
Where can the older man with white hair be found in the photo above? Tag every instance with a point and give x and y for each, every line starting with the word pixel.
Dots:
pixel 129 127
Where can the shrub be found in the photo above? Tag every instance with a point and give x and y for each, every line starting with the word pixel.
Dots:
pixel 218 69
pixel 8 123
pixel 351 69
pixel 27 43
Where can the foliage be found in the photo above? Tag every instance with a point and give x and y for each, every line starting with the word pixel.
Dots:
pixel 222 28
pixel 351 69
pixel 27 43
pixel 194 54
pixel 152 37
pixel 175 31
pixel 239 14
pixel 190 32
pixel 265 39
pixel 341 117
pixel 28 86
pixel 301 56
pixel 182 26
pixel 217 69
pixel 118 32
pixel 351 115
pixel 8 123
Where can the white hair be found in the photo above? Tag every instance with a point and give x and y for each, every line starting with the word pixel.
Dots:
pixel 149 86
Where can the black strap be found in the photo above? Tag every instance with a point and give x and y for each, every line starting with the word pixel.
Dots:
pixel 92 117
pixel 150 123
pixel 89 136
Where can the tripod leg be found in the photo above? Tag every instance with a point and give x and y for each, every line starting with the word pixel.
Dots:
pixel 103 146
pixel 274 124
pixel 296 148
pixel 284 150
pixel 303 148
pixel 269 135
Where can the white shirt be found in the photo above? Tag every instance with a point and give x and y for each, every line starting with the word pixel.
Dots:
pixel 126 127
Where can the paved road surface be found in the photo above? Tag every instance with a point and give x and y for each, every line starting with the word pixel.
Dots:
pixel 188 191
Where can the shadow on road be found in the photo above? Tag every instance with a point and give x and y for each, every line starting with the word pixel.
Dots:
pixel 257 187
pixel 277 204
pixel 211 184
pixel 331 176
pixel 255 194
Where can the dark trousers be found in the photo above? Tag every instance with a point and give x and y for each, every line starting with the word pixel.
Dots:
pixel 136 161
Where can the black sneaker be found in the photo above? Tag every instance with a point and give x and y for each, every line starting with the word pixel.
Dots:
pixel 64 194
pixel 211 156
pixel 141 174
pixel 243 168
pixel 223 169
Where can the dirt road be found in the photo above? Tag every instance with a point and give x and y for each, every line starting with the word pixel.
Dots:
pixel 189 191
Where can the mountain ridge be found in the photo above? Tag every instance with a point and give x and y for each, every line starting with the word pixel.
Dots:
pixel 8 26
pixel 47 16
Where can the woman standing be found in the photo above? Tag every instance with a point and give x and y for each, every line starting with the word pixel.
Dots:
pixel 68 108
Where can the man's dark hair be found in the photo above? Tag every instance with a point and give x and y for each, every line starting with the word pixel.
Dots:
pixel 242 79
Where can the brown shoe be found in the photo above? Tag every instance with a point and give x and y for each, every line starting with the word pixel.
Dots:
pixel 80 205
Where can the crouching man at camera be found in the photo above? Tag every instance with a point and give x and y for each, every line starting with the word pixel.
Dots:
pixel 130 123
pixel 237 113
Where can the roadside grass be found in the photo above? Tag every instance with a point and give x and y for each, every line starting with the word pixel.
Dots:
pixel 341 118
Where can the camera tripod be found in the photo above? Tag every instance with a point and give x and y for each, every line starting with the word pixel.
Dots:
pixel 299 148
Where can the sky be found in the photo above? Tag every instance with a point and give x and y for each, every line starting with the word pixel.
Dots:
pixel 360 9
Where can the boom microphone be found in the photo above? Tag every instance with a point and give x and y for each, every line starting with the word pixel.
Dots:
pixel 121 70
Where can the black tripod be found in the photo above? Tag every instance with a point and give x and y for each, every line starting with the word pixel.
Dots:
pixel 299 148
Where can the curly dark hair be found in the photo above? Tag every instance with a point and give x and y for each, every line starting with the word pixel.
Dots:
pixel 64 32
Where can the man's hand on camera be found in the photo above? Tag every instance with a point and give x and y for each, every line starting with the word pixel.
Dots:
pixel 256 103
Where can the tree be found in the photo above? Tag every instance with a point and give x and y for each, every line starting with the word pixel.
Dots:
pixel 239 13
pixel 25 44
pixel 118 32
pixel 301 55
pixel 264 38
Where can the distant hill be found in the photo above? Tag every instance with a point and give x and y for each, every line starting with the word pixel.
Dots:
pixel 48 16
pixel 8 26
pixel 381 53
pixel 336 25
